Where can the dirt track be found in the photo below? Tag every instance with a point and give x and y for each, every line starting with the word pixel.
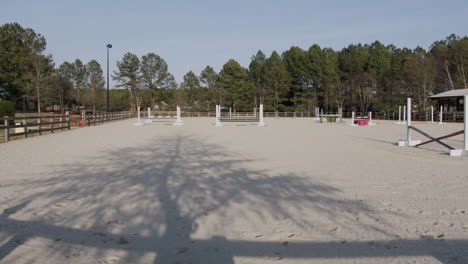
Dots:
pixel 295 191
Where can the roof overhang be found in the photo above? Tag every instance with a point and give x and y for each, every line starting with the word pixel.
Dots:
pixel 451 93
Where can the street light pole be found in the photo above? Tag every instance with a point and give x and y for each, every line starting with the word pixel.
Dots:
pixel 108 47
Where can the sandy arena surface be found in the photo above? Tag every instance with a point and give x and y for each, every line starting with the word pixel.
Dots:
pixel 295 191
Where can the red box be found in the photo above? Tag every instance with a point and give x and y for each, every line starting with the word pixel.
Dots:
pixel 362 122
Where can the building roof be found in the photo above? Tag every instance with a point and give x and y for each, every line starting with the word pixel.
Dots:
pixel 451 93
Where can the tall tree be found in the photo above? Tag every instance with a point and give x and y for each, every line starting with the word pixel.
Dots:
pixel 96 82
pixel 302 93
pixel 235 80
pixel 191 81
pixel 330 78
pixel 353 61
pixel 257 73
pixel 17 45
pixel 277 78
pixel 210 78
pixel 128 76
pixel 60 88
pixel 78 74
pixel 155 73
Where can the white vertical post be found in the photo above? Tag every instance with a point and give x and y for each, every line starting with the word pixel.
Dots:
pixel 464 151
pixel 139 114
pixel 404 114
pixel 178 118
pixel 352 118
pixel 399 114
pixel 139 117
pixel 441 114
pixel 260 123
pixel 432 114
pixel 230 112
pixel 408 142
pixel 218 116
pixel 408 123
pixel 149 112
pixel 465 119
pixel 370 118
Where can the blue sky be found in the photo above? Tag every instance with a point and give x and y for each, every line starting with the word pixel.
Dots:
pixel 192 34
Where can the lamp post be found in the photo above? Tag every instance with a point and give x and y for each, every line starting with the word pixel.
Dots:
pixel 108 47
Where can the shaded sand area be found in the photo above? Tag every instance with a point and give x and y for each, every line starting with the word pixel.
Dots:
pixel 295 191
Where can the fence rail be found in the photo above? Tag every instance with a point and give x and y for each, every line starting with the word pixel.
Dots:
pixel 416 116
pixel 29 125
pixel 101 118
pixel 25 126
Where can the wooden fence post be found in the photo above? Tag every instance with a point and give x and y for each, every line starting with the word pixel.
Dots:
pixel 69 120
pixel 25 122
pixel 52 121
pixel 40 127
pixel 7 130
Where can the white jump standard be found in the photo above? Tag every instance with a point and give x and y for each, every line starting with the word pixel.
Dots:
pixel 408 142
pixel 138 117
pixel 464 151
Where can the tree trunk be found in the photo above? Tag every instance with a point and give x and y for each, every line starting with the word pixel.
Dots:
pixel 448 75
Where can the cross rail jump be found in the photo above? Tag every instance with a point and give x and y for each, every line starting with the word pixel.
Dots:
pixel 408 142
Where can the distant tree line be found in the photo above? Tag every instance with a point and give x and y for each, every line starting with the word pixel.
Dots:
pixel 359 77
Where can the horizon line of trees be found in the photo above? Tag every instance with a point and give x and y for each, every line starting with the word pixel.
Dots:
pixel 359 77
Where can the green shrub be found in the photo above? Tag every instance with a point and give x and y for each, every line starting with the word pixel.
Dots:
pixel 6 109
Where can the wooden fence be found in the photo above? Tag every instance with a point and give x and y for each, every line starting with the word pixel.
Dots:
pixel 25 126
pixel 101 118
pixel 14 127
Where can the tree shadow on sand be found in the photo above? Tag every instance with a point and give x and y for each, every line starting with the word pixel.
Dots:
pixel 148 203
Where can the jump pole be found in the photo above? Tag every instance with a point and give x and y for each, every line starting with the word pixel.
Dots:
pixel 178 121
pixel 230 112
pixel 463 152
pixel 218 115
pixel 370 119
pixel 404 114
pixel 408 142
pixel 261 123
pixel 352 119
pixel 139 117
pixel 399 115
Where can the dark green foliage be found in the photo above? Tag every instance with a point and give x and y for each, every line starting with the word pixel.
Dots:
pixel 238 86
pixel 6 109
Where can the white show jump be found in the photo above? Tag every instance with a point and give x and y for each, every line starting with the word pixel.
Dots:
pixel 400 122
pixel 175 120
pixel 220 120
pixel 361 121
pixel 409 142
pixel 329 118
